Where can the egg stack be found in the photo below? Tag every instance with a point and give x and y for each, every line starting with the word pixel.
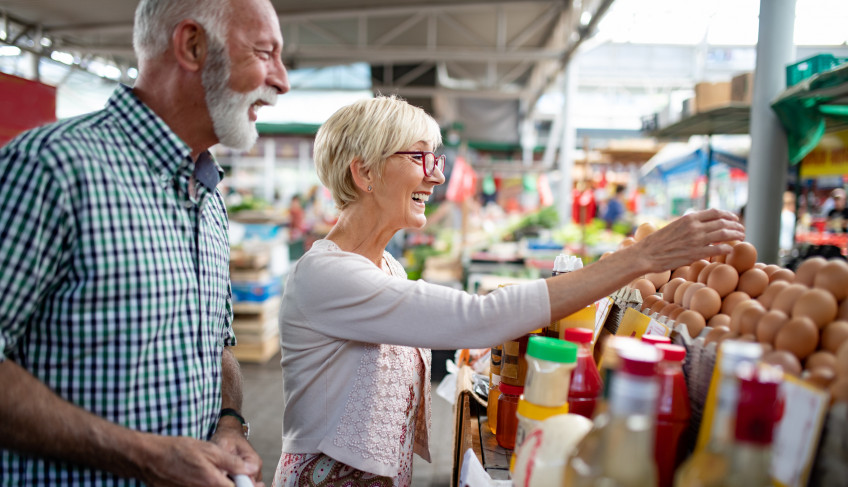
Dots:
pixel 800 318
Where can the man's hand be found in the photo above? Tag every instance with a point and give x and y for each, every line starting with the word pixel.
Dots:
pixel 230 437
pixel 180 461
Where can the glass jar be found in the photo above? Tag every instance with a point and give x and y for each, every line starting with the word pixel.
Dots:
pixel 507 424
pixel 549 365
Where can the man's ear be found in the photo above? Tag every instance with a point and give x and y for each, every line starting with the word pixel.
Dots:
pixel 362 175
pixel 189 45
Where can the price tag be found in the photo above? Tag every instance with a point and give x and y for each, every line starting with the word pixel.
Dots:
pixel 657 328
pixel 633 324
pixel 796 436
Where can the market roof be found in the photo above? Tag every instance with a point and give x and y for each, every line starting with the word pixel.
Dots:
pixel 732 119
pixel 438 53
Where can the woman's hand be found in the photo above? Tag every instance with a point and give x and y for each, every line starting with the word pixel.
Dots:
pixel 695 236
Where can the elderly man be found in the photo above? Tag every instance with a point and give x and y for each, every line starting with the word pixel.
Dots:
pixel 115 309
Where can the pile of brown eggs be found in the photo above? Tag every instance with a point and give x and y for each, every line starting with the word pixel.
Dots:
pixel 800 318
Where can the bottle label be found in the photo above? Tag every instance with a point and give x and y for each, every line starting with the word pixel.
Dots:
pixel 509 362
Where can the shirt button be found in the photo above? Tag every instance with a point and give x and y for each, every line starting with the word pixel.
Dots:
pixel 188 204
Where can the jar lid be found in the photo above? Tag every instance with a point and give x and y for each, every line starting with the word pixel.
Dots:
pixel 672 353
pixel 539 413
pixel 579 335
pixel 510 389
pixel 639 359
pixel 552 349
pixel 655 339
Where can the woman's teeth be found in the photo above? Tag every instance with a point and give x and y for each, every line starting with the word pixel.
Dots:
pixel 422 197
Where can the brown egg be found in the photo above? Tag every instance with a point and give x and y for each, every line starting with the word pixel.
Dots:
pixel 842 314
pixel 690 291
pixel 782 275
pixel 694 322
pixel 627 242
pixel 842 360
pixel 644 286
pixel 668 289
pixel 785 300
pixel 705 272
pixel 682 272
pixel 771 292
pixel 753 282
pixel 799 336
pixel 644 230
pixel 820 359
pixel 705 301
pixel 731 300
pixel 834 335
pixel 742 257
pixel 658 278
pixel 658 305
pixel 771 269
pixel 742 309
pixel 821 377
pixel 647 301
pixel 721 258
pixel 770 323
pixel 695 269
pixel 723 279
pixel 760 265
pixel 669 308
pixel 714 334
pixel 719 320
pixel 833 277
pixel 839 389
pixel 788 362
pixel 674 314
pixel 818 305
pixel 681 291
pixel 806 272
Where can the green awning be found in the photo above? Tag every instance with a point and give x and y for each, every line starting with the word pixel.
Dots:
pixel 811 108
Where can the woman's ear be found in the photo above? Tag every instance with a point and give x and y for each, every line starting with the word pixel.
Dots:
pixel 362 175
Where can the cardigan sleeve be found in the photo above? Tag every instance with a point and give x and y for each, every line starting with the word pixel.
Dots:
pixel 344 296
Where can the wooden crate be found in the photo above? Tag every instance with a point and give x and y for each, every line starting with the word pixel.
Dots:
pixel 258 352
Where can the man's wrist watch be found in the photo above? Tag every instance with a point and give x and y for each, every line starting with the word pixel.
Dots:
pixel 245 426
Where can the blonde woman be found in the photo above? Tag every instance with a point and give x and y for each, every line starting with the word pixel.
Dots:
pixel 356 334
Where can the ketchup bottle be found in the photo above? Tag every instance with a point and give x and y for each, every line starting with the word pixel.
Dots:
pixel 673 413
pixel 586 385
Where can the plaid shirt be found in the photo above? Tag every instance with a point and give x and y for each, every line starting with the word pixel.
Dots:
pixel 114 281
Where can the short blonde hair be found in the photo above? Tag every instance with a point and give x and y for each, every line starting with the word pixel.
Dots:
pixel 371 130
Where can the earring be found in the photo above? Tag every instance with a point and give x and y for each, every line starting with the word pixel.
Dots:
pixel 369 187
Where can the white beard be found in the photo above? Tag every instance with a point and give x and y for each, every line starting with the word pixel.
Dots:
pixel 229 109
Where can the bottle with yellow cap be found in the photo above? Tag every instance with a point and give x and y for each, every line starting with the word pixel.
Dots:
pixel 549 365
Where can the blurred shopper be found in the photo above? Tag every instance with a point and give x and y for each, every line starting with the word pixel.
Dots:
pixel 615 207
pixel 837 217
pixel 787 222
pixel 356 334
pixel 115 309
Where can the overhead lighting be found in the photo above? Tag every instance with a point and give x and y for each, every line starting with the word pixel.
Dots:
pixel 104 70
pixel 585 18
pixel 46 42
pixel 10 51
pixel 132 73
pixel 62 57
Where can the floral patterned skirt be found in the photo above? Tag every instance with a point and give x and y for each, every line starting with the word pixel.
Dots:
pixel 319 470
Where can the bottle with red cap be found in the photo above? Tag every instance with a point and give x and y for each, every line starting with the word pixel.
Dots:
pixel 620 452
pixel 586 385
pixel 746 461
pixel 656 339
pixel 673 413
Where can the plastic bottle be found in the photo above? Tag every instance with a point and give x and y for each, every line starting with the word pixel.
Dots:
pixel 494 384
pixel 507 419
pixel 549 365
pixel 586 385
pixel 620 453
pixel 673 413
pixel 656 339
pixel 745 461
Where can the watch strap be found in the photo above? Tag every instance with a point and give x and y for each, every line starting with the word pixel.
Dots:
pixel 232 412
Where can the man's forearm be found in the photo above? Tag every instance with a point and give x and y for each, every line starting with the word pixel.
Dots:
pixel 37 422
pixel 231 385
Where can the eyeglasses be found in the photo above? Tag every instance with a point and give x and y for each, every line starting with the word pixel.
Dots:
pixel 428 160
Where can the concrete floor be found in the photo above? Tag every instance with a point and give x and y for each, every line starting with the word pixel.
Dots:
pixel 263 408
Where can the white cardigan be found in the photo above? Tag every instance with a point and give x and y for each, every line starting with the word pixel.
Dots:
pixel 343 392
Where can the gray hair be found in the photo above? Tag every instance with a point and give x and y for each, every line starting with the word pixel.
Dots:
pixel 371 130
pixel 155 21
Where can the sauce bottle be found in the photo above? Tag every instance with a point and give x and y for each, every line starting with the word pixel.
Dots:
pixel 507 418
pixel 586 386
pixel 514 361
pixel 494 384
pixel 673 413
